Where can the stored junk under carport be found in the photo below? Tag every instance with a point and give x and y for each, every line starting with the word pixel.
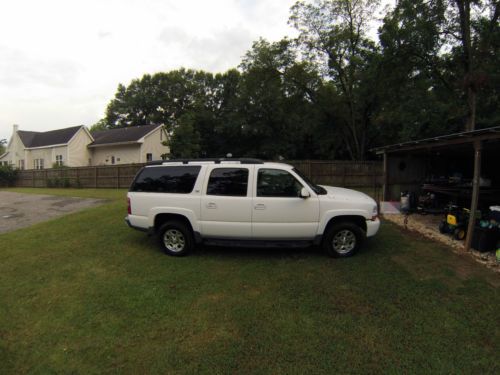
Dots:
pixel 463 168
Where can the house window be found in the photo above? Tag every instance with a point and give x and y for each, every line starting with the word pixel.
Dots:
pixel 59 160
pixel 112 160
pixel 38 163
pixel 21 164
pixel 149 157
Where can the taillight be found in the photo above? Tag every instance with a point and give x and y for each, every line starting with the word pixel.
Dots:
pixel 129 208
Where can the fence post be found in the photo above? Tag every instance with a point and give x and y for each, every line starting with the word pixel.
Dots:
pixel 117 176
pixel 95 177
pixel 343 175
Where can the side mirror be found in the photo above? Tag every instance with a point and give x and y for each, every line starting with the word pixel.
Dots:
pixel 304 193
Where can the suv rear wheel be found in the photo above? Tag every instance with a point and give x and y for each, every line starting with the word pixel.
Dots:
pixel 176 238
pixel 343 239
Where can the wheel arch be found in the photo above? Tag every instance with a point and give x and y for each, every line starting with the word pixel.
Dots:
pixel 162 218
pixel 356 219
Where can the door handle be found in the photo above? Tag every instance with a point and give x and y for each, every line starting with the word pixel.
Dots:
pixel 211 205
pixel 260 206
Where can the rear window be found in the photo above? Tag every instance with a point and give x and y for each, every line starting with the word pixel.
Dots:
pixel 178 180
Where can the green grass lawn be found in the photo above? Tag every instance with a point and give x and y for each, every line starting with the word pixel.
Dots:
pixel 85 294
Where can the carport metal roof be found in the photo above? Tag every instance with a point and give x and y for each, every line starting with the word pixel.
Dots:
pixel 486 134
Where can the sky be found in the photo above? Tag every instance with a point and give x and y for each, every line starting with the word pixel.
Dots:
pixel 62 60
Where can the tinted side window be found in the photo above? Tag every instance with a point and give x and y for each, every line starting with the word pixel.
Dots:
pixel 228 181
pixel 277 183
pixel 179 180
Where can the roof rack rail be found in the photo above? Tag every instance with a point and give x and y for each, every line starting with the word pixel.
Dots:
pixel 213 160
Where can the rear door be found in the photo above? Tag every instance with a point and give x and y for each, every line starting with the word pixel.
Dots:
pixel 226 203
pixel 278 211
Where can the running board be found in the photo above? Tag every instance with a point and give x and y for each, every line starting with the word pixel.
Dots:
pixel 256 243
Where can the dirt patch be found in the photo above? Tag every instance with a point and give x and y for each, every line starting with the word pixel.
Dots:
pixel 19 210
pixel 427 225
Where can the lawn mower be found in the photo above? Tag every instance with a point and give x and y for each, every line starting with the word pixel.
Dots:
pixel 456 221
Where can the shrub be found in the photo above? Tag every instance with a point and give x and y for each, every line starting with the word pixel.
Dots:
pixel 8 175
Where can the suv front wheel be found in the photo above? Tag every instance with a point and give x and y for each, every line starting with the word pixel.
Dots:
pixel 176 238
pixel 343 239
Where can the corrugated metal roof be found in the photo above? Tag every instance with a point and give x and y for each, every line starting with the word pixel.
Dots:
pixel 455 138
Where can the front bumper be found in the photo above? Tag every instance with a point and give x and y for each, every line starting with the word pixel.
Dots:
pixel 372 227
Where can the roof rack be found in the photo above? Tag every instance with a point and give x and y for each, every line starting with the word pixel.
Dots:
pixel 213 160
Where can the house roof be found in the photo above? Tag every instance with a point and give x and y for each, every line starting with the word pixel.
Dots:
pixel 131 134
pixel 53 137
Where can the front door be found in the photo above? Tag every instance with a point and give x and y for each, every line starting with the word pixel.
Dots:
pixel 278 211
pixel 226 203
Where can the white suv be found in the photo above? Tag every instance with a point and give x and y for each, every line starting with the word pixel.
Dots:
pixel 246 202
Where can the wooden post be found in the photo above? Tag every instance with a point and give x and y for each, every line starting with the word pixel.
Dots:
pixel 33 177
pixel 95 177
pixel 385 188
pixel 118 176
pixel 343 174
pixel 475 194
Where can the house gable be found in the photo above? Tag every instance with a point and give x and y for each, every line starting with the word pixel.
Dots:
pixel 152 143
pixel 15 150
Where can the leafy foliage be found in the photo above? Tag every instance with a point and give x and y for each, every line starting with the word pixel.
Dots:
pixel 7 175
pixel 333 92
pixel 3 142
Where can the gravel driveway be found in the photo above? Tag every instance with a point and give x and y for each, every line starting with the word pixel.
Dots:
pixel 22 210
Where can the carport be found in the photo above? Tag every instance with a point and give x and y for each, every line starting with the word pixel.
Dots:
pixel 471 159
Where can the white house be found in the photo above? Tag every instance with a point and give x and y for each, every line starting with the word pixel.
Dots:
pixel 76 147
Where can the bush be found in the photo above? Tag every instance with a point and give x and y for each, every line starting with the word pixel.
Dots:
pixel 8 175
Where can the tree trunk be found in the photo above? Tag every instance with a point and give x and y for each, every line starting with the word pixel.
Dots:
pixel 467 58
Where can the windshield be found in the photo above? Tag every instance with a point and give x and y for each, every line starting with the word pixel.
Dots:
pixel 317 189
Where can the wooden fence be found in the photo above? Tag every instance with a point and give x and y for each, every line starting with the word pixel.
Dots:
pixel 112 176
pixel 336 173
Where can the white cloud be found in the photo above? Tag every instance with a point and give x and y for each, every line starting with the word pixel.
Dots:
pixel 61 61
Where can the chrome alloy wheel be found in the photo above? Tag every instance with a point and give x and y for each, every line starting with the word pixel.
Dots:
pixel 174 240
pixel 344 241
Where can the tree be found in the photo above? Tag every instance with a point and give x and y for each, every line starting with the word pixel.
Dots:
pixel 473 31
pixel 418 98
pixel 3 142
pixel 333 34
pixel 453 45
pixel 278 93
pixel 185 142
pixel 161 98
pixel 99 126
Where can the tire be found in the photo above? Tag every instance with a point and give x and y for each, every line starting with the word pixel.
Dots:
pixel 459 234
pixel 343 239
pixel 443 227
pixel 176 238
